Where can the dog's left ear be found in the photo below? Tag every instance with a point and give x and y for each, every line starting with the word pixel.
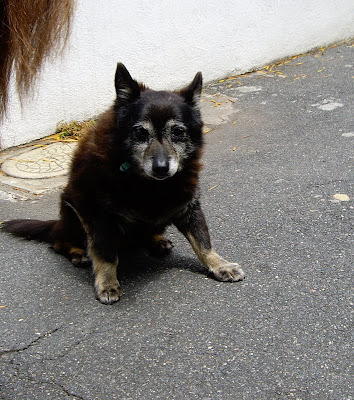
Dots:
pixel 127 88
pixel 192 92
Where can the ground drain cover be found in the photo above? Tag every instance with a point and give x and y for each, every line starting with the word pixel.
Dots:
pixel 42 162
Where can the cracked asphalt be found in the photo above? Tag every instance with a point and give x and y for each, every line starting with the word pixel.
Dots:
pixel 279 152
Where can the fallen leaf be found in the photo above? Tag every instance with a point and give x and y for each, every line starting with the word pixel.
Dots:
pixel 341 197
pixel 71 140
pixel 222 119
pixel 22 161
pixel 55 137
pixel 234 148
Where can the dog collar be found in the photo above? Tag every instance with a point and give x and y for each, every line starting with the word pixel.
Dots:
pixel 125 166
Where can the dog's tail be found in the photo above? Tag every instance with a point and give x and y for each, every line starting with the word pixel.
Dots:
pixel 31 229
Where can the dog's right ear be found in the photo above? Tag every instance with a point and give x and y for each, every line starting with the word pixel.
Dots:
pixel 127 88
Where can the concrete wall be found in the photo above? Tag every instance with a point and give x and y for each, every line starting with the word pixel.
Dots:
pixel 164 43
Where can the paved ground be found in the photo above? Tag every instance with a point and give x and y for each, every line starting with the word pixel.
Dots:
pixel 277 190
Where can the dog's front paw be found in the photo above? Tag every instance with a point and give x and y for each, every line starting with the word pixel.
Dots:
pixel 109 294
pixel 228 272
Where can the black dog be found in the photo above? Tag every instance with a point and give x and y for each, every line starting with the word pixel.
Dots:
pixel 132 175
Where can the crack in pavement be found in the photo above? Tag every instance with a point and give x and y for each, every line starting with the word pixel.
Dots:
pixel 66 391
pixel 22 375
pixel 65 351
pixel 32 343
pixel 60 386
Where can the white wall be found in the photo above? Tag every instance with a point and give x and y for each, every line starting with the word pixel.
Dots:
pixel 164 43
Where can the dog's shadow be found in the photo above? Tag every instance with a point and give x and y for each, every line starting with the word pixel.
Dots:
pixel 139 263
pixel 137 269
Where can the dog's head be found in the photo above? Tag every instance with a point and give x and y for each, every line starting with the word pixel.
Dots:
pixel 162 129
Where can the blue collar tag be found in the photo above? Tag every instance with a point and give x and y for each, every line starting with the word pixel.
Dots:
pixel 125 166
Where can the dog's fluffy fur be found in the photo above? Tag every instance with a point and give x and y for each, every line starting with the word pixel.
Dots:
pixel 132 175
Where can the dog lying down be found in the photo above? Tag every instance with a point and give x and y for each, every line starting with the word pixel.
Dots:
pixel 132 175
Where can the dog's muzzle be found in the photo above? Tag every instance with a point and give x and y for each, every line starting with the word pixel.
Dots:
pixel 161 165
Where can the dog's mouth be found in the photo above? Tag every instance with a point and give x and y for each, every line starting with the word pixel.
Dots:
pixel 159 177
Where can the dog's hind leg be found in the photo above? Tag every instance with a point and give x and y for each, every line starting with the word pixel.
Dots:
pixel 159 246
pixel 193 225
pixel 70 237
pixel 77 255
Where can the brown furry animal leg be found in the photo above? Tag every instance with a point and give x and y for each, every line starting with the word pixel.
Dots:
pixel 195 229
pixel 160 246
pixel 77 255
pixel 101 234
pixel 69 235
pixel 107 287
pixel 221 269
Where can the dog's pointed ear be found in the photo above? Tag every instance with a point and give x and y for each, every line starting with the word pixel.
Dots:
pixel 127 88
pixel 192 92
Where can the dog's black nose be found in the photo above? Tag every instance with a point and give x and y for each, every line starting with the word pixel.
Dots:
pixel 160 166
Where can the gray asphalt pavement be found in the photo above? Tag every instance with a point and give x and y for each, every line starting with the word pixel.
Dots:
pixel 278 196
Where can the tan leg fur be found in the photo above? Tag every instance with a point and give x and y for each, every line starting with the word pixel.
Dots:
pixel 107 286
pixel 222 270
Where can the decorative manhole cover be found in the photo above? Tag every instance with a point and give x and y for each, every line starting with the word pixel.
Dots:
pixel 43 162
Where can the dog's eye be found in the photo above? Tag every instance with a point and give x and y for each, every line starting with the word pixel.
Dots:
pixel 178 130
pixel 141 133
